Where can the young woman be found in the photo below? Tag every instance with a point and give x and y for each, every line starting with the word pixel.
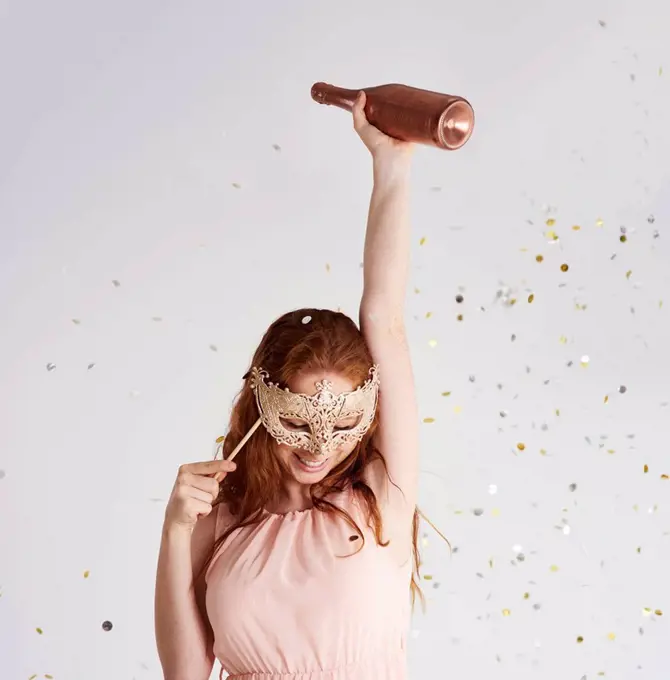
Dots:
pixel 299 564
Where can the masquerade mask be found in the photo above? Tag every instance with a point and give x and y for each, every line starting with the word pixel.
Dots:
pixel 320 412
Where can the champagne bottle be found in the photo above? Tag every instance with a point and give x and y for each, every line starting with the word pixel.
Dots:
pixel 408 113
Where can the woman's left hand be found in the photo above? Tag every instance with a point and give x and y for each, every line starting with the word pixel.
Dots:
pixel 382 147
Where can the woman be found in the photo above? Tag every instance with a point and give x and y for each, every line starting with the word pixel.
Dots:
pixel 298 566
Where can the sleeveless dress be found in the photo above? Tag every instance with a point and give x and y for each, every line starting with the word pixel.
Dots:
pixel 283 606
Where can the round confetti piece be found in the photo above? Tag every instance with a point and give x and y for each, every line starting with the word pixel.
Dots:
pixel 623 389
pixel 107 626
pixel 51 367
pixel 306 319
pixel 459 299
pixel 506 612
pixel 564 267
pixel 521 446
pixel 539 258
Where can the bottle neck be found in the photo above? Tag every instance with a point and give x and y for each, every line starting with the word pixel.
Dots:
pixel 331 95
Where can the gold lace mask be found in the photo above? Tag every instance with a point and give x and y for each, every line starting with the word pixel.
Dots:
pixel 321 412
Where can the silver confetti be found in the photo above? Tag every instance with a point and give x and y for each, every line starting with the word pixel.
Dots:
pixel 51 367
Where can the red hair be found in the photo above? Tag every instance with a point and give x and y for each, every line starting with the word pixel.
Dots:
pixel 304 340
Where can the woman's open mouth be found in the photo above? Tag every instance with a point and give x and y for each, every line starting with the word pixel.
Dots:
pixel 311 465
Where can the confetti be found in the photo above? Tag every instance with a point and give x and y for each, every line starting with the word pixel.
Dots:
pixel 531 297
pixel 422 241
pixel 564 267
pixel 584 361
pixel 611 636
pixel 521 446
pixel 87 573
pixel 599 222
pixel 539 258
pixel 327 267
pixel 576 227
pixel 651 219
pixel 429 420
pixel 51 367
pixel 550 222
pixel 276 147
pixel 553 568
pixel 459 317
pixel 506 612
pixel 39 631
pixel 646 469
pixel 306 319
pixel 580 639
pixel 429 314
pixel 602 23
pixel 432 343
pixel 236 185
pixel 446 394
pixel 116 283
pixel 107 626
pixel 459 299
pixel 623 389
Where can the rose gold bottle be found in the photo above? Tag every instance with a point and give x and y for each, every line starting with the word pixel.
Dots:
pixel 408 113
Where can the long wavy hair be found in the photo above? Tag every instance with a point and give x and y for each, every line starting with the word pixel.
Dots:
pixel 304 340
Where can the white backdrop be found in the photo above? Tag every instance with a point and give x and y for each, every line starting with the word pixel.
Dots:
pixel 168 188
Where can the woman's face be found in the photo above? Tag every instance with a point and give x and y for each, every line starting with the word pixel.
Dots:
pixel 304 466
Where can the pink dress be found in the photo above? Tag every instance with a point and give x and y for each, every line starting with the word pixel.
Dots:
pixel 283 606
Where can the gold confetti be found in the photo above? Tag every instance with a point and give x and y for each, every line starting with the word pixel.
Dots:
pixel 563 340
pixel 575 227
pixel 521 446
pixel 429 420
pixel 48 677
pixel 599 222
pixel 664 476
pixel 658 612
pixel 506 612
pixel 553 568
pixel 606 400
pixel 552 235
pixel 39 631
pixel 646 469
pixel 416 291
pixel 564 267
pixel 629 273
pixel 458 409
pixel 495 512
pixel 429 314
pixel 87 573
pixel 611 636
pixel 446 394
pixel 526 596
pixel 459 317
pixel 220 439
pixel 327 267
pixel 32 677
pixel 427 577
pixel 550 222
pixel 539 258
pixel 531 297
pixel 580 639
pixel 623 238
pixel 422 241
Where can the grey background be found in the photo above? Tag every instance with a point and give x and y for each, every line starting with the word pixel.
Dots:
pixel 167 188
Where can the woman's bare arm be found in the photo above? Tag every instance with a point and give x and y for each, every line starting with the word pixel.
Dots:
pixel 183 634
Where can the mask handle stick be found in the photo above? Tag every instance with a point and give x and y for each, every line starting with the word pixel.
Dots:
pixel 238 448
